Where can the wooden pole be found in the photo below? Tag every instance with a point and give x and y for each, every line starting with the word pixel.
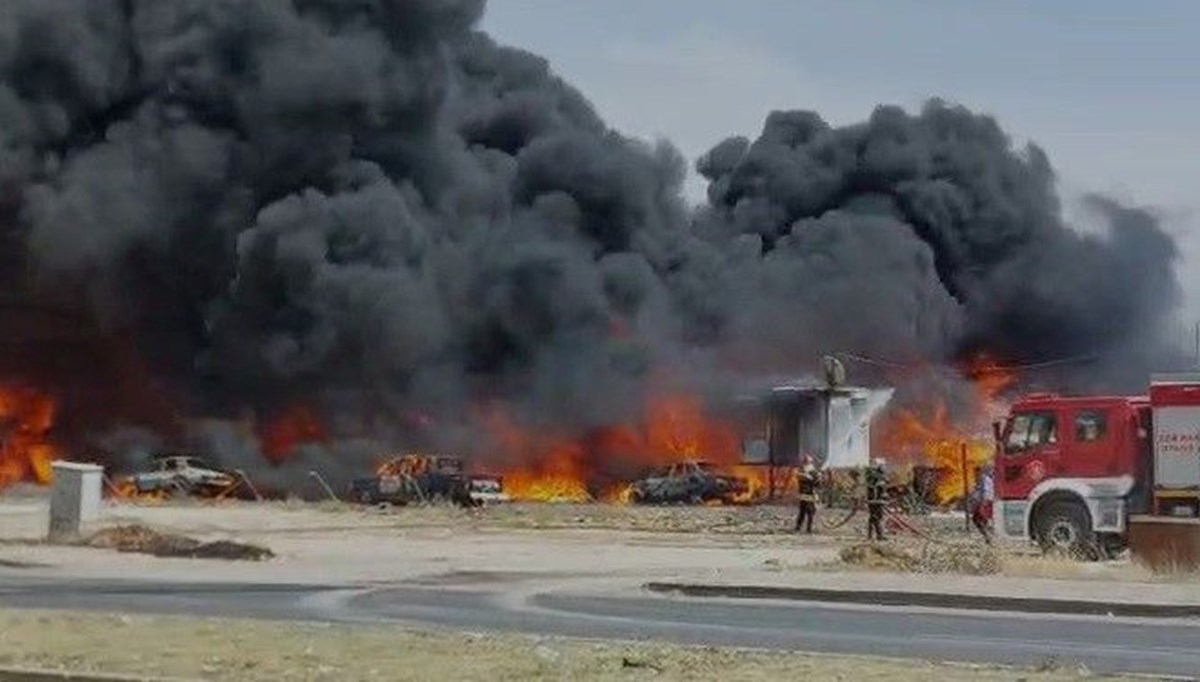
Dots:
pixel 966 488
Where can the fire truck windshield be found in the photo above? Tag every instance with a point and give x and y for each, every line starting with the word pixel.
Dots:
pixel 1026 431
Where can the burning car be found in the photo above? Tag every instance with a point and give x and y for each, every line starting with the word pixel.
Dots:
pixel 692 482
pixel 186 474
pixel 424 478
pixel 486 489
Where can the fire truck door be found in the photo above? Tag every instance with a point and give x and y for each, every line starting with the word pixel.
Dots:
pixel 1030 453
pixel 1092 436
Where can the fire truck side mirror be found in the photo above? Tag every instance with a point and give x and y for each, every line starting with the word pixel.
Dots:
pixel 996 429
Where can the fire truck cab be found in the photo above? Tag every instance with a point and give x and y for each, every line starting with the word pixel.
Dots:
pixel 1070 470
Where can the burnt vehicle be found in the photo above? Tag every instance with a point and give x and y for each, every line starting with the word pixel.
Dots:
pixel 415 478
pixel 487 489
pixel 183 474
pixel 692 482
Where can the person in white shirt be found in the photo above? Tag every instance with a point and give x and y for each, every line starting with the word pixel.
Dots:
pixel 980 502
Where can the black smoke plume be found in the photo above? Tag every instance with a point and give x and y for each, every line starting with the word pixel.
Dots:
pixel 930 235
pixel 370 208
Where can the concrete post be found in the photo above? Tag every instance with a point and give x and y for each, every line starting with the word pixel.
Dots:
pixel 74 499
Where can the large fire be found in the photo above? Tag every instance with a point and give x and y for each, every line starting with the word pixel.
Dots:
pixel 600 464
pixel 26 419
pixel 545 464
pixel 955 447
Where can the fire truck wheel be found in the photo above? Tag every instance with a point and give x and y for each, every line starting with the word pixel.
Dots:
pixel 1064 526
pixel 1112 546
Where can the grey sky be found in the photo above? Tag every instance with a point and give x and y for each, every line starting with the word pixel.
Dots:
pixel 1107 87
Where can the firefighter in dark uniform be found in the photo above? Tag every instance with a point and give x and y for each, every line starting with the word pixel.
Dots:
pixel 876 480
pixel 807 485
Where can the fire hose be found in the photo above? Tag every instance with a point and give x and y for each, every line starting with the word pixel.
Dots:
pixel 853 511
pixel 892 515
pixel 895 518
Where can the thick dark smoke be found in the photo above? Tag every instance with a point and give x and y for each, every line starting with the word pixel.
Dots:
pixel 370 208
pixel 916 235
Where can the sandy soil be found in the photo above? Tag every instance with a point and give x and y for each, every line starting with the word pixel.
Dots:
pixel 316 543
pixel 756 520
pixel 250 650
pixel 325 542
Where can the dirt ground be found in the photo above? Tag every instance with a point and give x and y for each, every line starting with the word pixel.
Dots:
pixel 546 544
pixel 192 648
pixel 313 540
pixel 767 519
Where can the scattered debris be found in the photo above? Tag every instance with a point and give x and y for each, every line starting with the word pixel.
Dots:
pixel 14 563
pixel 947 558
pixel 627 662
pixel 146 540
pixel 1048 664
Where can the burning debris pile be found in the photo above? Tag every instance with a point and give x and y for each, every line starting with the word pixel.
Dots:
pixel 952 440
pixel 328 230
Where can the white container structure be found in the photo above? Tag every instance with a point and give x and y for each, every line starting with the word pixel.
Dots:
pixel 74 498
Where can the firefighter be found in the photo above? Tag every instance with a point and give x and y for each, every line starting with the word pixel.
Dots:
pixel 980 503
pixel 807 485
pixel 876 480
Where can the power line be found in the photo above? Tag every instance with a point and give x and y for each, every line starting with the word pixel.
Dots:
pixel 1043 364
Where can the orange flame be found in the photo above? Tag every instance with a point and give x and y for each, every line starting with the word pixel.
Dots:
pixel 600 464
pixel 26 419
pixel 927 434
pixel 297 426
pixel 125 490
pixel 553 469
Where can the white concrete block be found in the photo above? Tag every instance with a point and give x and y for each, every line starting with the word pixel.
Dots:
pixel 74 499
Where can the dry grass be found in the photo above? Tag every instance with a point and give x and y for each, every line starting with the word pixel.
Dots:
pixel 1067 568
pixel 910 555
pixel 732 520
pixel 762 519
pixel 925 558
pixel 250 650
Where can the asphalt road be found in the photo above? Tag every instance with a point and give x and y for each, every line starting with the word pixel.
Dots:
pixel 538 606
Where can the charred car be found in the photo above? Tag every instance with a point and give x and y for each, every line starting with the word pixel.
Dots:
pixel 485 489
pixel 415 478
pixel 184 474
pixel 688 483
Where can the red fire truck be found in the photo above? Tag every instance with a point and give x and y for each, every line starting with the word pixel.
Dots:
pixel 1069 471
